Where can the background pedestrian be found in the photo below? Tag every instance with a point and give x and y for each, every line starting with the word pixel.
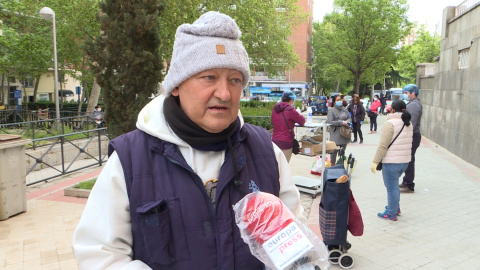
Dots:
pixel 357 114
pixel 373 114
pixel 284 118
pixel 414 107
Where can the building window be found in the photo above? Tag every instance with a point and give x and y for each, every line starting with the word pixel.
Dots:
pixel 43 97
pixel 464 58
pixel 259 71
pixel 28 82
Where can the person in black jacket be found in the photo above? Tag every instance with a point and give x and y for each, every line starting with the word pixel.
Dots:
pixel 357 113
pixel 383 101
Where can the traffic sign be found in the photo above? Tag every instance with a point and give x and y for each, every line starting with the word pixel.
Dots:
pixel 17 94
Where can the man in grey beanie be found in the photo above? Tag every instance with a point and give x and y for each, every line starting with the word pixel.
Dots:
pixel 414 107
pixel 164 198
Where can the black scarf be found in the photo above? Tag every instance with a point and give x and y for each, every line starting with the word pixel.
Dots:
pixel 194 135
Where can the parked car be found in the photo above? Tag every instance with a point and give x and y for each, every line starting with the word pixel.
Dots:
pixel 397 93
pixel 318 104
pixel 267 99
pixel 334 94
pixel 304 101
pixel 366 103
pixel 348 99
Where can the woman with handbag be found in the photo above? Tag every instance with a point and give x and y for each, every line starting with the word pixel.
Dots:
pixel 339 118
pixel 393 155
pixel 284 116
pixel 357 113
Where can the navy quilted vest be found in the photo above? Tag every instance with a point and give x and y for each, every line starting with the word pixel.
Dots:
pixel 174 223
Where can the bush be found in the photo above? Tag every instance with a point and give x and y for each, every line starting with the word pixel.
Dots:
pixel 257 113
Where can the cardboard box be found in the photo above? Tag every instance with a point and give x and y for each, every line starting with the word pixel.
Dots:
pixel 318 138
pixel 311 149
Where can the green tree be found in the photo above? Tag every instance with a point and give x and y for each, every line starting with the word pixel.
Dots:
pixel 265 25
pixel 127 61
pixel 29 46
pixel 23 46
pixel 363 35
pixel 329 76
pixel 423 50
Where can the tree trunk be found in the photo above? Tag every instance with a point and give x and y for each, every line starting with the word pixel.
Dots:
pixel 81 97
pixel 93 99
pixel 25 97
pixel 372 93
pixel 357 82
pixel 337 87
pixel 35 89
pixel 8 92
pixel 2 94
pixel 84 85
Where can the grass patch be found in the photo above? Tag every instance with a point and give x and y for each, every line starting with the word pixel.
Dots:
pixel 86 184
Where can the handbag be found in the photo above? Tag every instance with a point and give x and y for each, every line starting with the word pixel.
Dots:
pixel 345 131
pixel 296 146
pixel 380 164
pixel 355 221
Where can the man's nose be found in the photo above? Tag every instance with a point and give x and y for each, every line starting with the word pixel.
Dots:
pixel 222 92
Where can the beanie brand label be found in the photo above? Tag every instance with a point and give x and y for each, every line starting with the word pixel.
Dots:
pixel 287 246
pixel 220 49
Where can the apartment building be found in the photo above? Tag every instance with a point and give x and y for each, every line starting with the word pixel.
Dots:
pixel 67 88
pixel 299 80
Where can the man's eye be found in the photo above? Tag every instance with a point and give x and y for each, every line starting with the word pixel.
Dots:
pixel 209 77
pixel 237 81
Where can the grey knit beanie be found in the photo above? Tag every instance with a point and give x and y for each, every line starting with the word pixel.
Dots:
pixel 212 41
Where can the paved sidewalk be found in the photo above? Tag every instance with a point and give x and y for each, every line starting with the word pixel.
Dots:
pixel 439 227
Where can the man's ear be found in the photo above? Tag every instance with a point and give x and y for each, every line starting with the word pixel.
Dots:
pixel 175 92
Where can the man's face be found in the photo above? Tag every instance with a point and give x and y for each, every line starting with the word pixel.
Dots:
pixel 211 98
pixel 410 95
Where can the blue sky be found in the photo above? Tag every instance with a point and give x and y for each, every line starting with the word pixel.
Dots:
pixel 427 12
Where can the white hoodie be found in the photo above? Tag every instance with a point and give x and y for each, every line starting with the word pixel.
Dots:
pixel 103 238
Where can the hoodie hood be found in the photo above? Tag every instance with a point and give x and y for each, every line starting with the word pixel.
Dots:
pixel 152 121
pixel 282 106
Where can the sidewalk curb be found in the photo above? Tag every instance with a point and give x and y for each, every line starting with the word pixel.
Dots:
pixel 54 190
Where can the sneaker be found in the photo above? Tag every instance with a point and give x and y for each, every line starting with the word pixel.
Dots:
pixel 385 215
pixel 361 141
pixel 402 185
pixel 398 211
pixel 354 141
pixel 370 132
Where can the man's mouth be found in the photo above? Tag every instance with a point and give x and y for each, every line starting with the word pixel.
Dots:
pixel 218 108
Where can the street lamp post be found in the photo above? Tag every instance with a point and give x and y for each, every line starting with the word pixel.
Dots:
pixel 47 14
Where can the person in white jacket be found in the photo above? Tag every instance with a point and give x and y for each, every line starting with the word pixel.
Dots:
pixel 208 72
pixel 394 149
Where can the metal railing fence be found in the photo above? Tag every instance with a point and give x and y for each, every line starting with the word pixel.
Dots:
pixel 465 6
pixel 80 148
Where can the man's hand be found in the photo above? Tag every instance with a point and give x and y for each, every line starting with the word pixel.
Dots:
pixel 373 168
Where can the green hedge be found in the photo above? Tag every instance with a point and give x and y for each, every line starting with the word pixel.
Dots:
pixel 259 113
